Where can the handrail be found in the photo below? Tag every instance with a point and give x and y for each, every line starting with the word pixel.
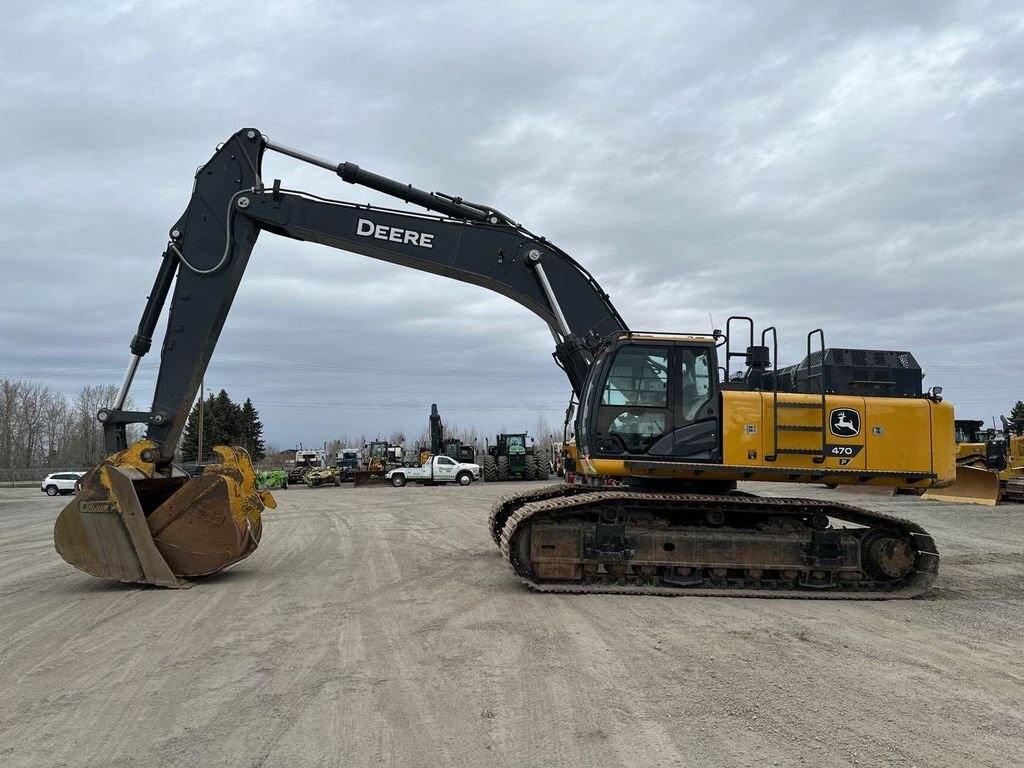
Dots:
pixel 775 389
pixel 821 383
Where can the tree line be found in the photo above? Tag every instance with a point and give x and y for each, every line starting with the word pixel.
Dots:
pixel 41 427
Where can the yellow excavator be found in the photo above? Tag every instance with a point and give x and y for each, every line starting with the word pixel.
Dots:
pixel 989 464
pixel 666 425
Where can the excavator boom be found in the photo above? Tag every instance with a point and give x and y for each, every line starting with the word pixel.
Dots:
pixel 101 531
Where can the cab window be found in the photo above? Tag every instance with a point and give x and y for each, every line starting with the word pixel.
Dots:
pixel 695 382
pixel 635 401
pixel 637 377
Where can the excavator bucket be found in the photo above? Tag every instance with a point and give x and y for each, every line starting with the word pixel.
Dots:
pixel 972 486
pixel 129 523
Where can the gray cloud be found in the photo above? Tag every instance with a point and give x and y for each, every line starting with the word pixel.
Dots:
pixel 851 166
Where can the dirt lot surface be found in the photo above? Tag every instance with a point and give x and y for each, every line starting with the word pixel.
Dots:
pixel 380 626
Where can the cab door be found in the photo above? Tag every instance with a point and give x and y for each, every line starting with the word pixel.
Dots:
pixel 444 469
pixel 695 392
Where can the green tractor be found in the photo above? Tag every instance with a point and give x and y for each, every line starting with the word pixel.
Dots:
pixel 512 458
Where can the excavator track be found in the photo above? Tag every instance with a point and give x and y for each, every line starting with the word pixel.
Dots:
pixel 736 545
pixel 506 505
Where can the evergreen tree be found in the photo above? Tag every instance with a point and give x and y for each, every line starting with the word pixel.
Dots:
pixel 225 422
pixel 190 436
pixel 211 431
pixel 1017 412
pixel 229 420
pixel 252 431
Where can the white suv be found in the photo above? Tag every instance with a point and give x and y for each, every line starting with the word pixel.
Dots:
pixel 60 482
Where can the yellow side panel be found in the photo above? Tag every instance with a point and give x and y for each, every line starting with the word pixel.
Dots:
pixel 899 433
pixel 943 443
pixel 1016 451
pixel 894 435
pixel 742 434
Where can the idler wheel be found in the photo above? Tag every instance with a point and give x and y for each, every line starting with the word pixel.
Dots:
pixel 887 556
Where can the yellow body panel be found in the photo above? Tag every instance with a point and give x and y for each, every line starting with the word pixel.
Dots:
pixel 963 450
pixel 943 444
pixel 896 435
pixel 1014 458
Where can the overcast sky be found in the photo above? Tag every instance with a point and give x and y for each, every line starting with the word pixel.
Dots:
pixel 855 166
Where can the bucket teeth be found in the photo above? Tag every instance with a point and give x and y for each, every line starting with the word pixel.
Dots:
pixel 131 524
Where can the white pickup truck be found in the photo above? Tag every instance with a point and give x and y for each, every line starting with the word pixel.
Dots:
pixel 439 469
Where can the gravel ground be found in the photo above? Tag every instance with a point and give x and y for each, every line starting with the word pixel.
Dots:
pixel 379 626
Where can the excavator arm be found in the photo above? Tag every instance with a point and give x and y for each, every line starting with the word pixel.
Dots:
pixel 211 243
pixel 139 518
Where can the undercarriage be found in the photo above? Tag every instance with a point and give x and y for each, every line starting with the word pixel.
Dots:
pixel 579 539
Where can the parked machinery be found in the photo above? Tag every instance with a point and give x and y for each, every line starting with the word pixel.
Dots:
pixel 989 464
pixel 306 459
pixel 272 479
pixel 513 457
pixel 378 457
pixel 312 468
pixel 661 438
pixel 454 448
pixel 440 445
pixel 347 462
pixel 323 476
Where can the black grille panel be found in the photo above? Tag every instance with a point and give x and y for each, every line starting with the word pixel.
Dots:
pixel 878 373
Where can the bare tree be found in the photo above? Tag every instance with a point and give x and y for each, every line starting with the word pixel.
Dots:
pixel 9 394
pixel 57 426
pixel 88 448
pixel 30 424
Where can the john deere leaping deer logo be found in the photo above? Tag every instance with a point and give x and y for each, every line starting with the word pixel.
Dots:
pixel 844 422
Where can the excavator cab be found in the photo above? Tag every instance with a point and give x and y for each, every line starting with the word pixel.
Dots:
pixel 652 396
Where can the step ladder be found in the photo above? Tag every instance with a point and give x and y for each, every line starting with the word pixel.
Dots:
pixel 782 430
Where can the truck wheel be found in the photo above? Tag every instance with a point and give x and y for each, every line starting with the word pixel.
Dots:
pixel 398 480
pixel 503 473
pixel 465 478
